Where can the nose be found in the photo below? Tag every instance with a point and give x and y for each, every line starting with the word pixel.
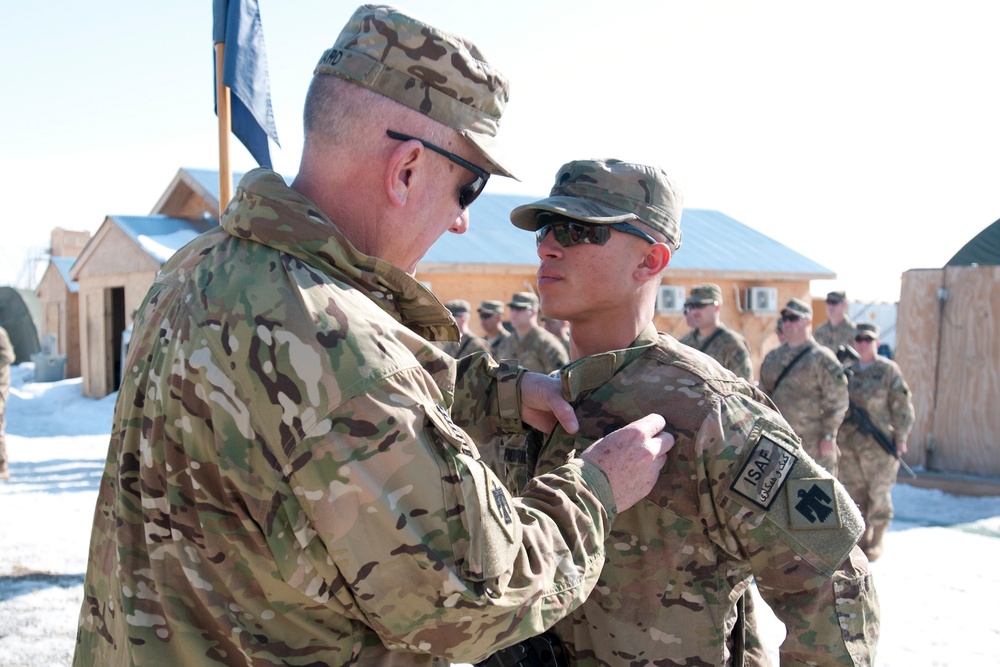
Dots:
pixel 461 224
pixel 549 247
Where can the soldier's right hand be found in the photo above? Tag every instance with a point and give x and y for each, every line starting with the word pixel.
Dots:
pixel 632 457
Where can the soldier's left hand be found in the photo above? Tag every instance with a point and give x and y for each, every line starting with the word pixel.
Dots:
pixel 542 404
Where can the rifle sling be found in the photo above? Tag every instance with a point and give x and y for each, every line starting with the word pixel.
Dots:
pixel 789 366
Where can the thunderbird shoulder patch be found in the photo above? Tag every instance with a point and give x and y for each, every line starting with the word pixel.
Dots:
pixel 812 504
pixel 764 472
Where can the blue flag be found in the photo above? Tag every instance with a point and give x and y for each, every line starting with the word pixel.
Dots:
pixel 237 23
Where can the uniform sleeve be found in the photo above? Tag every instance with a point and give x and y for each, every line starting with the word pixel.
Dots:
pixel 398 516
pixel 6 349
pixel 797 527
pixel 741 362
pixel 834 394
pixel 900 405
pixel 768 374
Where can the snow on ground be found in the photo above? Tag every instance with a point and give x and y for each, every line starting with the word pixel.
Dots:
pixel 938 582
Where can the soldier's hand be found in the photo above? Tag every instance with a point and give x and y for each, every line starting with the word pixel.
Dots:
pixel 542 404
pixel 632 457
pixel 900 447
pixel 827 447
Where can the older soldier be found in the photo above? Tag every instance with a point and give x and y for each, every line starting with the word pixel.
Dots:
pixel 470 342
pixel 530 344
pixel 287 483
pixel 838 329
pixel 807 383
pixel 877 387
pixel 6 360
pixel 729 348
pixel 738 497
pixel 491 319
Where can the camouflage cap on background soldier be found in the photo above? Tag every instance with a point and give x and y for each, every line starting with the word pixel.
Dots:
pixel 838 296
pixel 702 294
pixel 609 191
pixel 798 307
pixel 524 300
pixel 487 308
pixel 457 306
pixel 866 329
pixel 432 71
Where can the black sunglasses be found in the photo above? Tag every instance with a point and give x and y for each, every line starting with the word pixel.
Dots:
pixel 569 232
pixel 688 307
pixel 790 318
pixel 863 339
pixel 468 192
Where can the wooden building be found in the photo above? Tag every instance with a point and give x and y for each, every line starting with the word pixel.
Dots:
pixel 949 350
pixel 59 296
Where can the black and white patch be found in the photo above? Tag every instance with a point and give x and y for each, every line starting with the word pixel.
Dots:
pixel 812 504
pixel 764 472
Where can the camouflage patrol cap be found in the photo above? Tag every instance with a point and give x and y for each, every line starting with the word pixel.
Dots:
pixel 707 293
pixel 608 191
pixel 439 74
pixel 836 297
pixel 866 329
pixel 798 307
pixel 491 308
pixel 524 300
pixel 457 306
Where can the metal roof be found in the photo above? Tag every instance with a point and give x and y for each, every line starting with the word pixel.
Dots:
pixel 63 265
pixel 161 236
pixel 712 241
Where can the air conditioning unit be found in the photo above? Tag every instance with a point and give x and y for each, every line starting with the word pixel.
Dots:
pixel 670 299
pixel 762 299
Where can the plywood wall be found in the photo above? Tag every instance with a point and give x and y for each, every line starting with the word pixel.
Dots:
pixel 949 350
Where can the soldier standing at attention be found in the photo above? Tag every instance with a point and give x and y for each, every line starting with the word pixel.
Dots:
pixel 288 480
pixel 807 383
pixel 529 343
pixel 838 329
pixel 710 336
pixel 7 359
pixel 866 470
pixel 491 319
pixel 470 342
pixel 738 497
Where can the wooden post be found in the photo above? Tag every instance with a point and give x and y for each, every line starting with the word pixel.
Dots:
pixel 225 123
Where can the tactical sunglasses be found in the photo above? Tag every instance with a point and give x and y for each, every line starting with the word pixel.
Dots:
pixel 569 232
pixel 790 318
pixel 863 339
pixel 468 192
pixel 688 307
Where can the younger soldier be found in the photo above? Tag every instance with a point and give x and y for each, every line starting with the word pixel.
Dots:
pixel 533 347
pixel 868 471
pixel 838 329
pixel 807 383
pixel 738 499
pixel 729 348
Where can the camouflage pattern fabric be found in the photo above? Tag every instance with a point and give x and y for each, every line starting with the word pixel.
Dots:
pixel 470 344
pixel 834 336
pixel 495 342
pixel 7 359
pixel 866 469
pixel 287 482
pixel 812 396
pixel 725 510
pixel 727 347
pixel 538 351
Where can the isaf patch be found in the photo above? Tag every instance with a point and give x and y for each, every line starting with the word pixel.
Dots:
pixel 812 504
pixel 764 473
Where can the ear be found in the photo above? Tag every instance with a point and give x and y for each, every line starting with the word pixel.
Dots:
pixel 655 260
pixel 402 171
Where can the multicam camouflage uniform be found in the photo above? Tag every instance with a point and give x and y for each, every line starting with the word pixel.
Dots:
pixel 285 483
pixel 834 336
pixel 470 344
pixel 738 499
pixel 538 351
pixel 866 469
pixel 6 360
pixel 812 396
pixel 727 347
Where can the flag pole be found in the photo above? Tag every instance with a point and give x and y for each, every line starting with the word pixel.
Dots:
pixel 225 123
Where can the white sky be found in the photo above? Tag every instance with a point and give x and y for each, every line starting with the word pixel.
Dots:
pixel 862 134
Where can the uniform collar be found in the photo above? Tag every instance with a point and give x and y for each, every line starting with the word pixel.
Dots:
pixel 589 373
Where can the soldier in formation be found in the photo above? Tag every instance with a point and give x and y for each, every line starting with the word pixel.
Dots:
pixel 709 335
pixel 292 477
pixel 878 390
pixel 838 330
pixel 533 347
pixel 738 499
pixel 807 383
pixel 491 319
pixel 470 342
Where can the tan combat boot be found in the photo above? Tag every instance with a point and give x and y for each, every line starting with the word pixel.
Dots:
pixel 874 547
